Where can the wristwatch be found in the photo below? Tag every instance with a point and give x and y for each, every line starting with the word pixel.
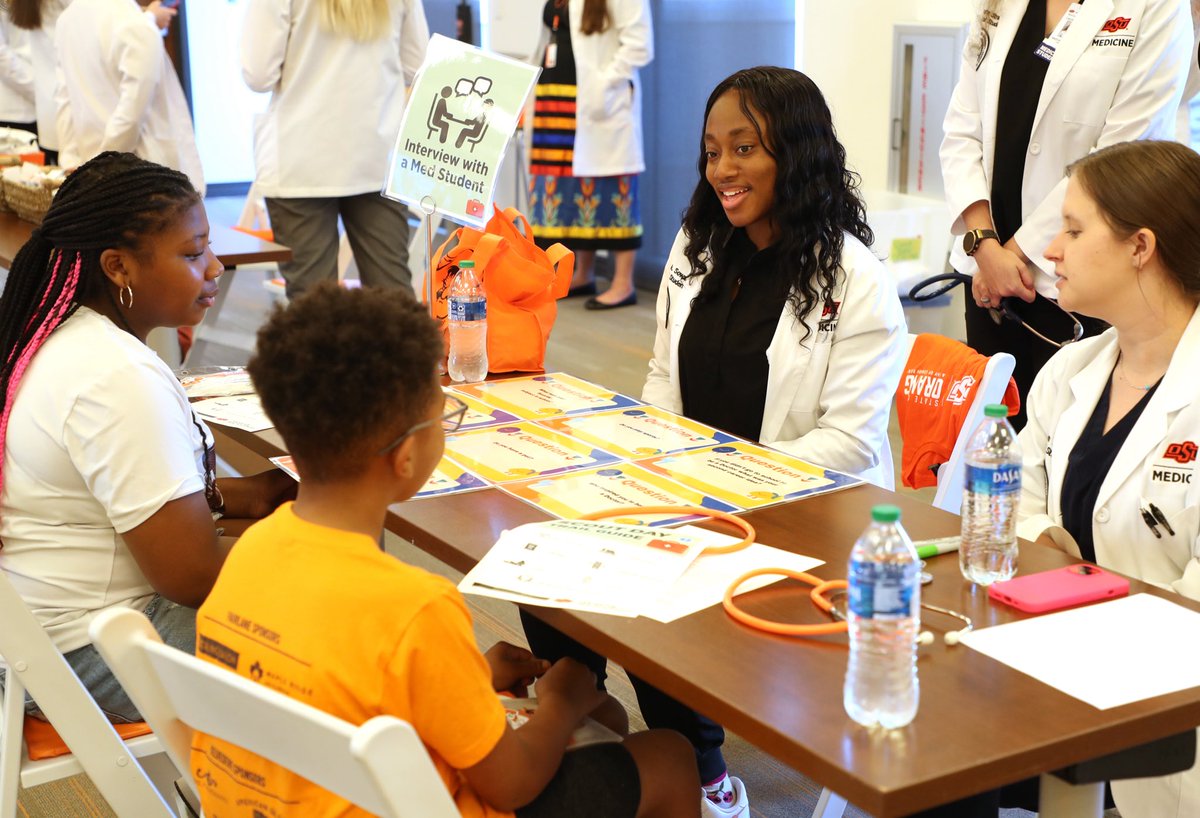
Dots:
pixel 973 238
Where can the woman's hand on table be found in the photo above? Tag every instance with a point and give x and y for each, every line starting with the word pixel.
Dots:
pixel 257 496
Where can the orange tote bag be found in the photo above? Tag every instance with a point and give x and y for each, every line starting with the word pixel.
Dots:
pixel 522 282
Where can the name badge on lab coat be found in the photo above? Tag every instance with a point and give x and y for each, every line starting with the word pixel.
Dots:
pixel 1050 44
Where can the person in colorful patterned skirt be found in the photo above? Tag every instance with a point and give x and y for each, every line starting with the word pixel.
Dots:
pixel 587 138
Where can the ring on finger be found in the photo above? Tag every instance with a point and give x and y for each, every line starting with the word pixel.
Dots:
pixel 985 300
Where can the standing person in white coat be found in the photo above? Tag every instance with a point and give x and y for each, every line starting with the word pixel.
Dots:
pixel 587 138
pixel 337 73
pixel 17 108
pixel 38 17
pixel 1109 453
pixel 1043 83
pixel 117 89
pixel 775 323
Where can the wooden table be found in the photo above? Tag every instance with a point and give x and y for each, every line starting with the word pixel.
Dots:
pixel 232 247
pixel 981 724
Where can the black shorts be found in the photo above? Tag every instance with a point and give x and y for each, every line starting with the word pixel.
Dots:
pixel 596 781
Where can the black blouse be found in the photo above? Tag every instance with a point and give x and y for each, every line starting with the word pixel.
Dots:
pixel 1020 87
pixel 723 346
pixel 1088 465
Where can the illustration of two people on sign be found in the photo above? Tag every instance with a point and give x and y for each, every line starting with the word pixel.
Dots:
pixel 466 106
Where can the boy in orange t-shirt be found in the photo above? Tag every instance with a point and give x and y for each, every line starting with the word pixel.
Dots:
pixel 308 604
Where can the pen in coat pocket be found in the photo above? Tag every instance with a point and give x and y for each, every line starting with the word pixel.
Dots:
pixel 1153 517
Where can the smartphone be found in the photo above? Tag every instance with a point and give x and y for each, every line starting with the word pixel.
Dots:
pixel 1059 588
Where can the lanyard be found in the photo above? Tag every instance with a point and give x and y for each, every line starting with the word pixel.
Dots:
pixel 1049 45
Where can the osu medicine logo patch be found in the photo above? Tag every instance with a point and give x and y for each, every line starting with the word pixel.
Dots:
pixel 1116 24
pixel 1182 453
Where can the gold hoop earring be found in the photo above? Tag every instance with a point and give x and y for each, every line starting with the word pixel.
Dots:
pixel 121 296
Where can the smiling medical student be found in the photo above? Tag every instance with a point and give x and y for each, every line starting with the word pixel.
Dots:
pixel 1110 448
pixel 775 321
pixel 1042 84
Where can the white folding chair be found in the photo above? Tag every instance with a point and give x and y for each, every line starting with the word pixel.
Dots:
pixel 948 496
pixel 990 389
pixel 34 664
pixel 381 766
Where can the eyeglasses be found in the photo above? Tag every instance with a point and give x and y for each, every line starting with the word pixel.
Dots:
pixel 453 411
pixel 928 289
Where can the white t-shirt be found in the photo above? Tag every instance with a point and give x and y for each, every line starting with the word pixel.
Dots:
pixel 99 439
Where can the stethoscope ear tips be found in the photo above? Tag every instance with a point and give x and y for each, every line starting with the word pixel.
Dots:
pixel 952 637
pixel 926 638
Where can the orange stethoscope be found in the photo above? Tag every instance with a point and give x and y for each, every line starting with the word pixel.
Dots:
pixel 820 586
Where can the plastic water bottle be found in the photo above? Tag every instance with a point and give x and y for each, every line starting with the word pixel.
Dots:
pixel 468 326
pixel 988 552
pixel 884 613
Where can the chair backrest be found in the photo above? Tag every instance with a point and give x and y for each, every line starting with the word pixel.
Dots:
pixel 35 664
pixel 381 766
pixel 990 389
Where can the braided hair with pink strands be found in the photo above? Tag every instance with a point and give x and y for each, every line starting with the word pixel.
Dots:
pixel 115 201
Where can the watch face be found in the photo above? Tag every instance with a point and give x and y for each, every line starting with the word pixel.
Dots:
pixel 970 240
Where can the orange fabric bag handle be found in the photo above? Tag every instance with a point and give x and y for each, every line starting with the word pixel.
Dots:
pixel 563 261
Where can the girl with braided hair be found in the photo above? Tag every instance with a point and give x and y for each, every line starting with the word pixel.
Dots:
pixel 108 491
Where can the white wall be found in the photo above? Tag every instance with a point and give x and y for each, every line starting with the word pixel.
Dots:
pixel 846 47
pixel 223 108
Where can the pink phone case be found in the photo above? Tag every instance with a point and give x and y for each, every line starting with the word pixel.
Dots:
pixel 1059 588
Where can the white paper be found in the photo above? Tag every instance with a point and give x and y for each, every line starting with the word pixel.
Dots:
pixel 238 411
pixel 1108 654
pixel 582 565
pixel 703 584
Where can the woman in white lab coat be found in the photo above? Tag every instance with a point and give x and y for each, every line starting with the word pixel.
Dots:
pixel 16 79
pixel 1110 449
pixel 775 323
pixel 1043 83
pixel 117 89
pixel 336 72
pixel 587 138
pixel 38 18
pixel 771 293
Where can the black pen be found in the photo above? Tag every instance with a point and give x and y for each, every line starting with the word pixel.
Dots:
pixel 1149 518
pixel 1162 519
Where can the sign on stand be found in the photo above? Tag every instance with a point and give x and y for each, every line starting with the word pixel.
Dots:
pixel 461 114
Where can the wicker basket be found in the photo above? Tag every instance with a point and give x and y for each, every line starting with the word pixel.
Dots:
pixel 30 202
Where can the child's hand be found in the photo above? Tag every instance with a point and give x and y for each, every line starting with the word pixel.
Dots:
pixel 573 685
pixel 513 668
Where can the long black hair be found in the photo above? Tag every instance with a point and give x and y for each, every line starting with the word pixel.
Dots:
pixel 113 201
pixel 816 195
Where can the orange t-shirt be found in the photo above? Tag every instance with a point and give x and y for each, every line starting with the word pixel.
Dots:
pixel 936 390
pixel 327 618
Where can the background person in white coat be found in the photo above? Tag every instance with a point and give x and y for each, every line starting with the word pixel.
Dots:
pixel 38 17
pixel 17 108
pixel 117 90
pixel 1043 83
pixel 587 138
pixel 1113 420
pixel 337 73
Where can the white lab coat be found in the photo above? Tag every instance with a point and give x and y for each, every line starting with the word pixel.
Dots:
pixel 117 89
pixel 41 52
pixel 16 74
pixel 1102 87
pixel 336 103
pixel 1183 122
pixel 1062 399
pixel 829 396
pixel 608 112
